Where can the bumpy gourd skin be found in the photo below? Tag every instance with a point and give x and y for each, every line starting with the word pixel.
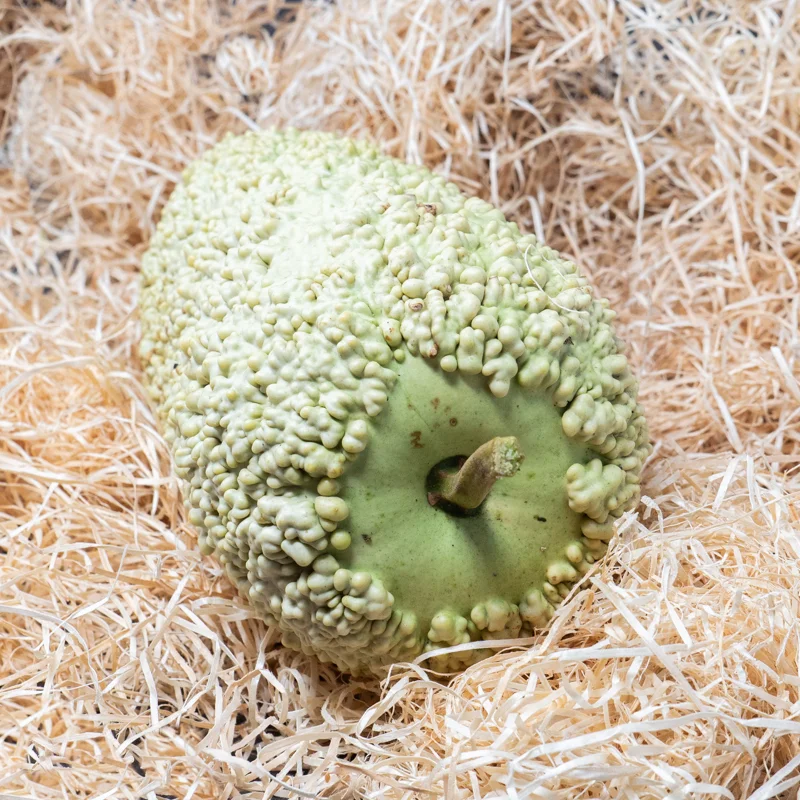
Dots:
pixel 322 325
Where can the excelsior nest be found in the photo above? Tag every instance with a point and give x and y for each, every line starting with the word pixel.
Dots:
pixel 657 143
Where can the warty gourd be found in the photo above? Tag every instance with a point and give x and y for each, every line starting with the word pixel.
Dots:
pixel 400 423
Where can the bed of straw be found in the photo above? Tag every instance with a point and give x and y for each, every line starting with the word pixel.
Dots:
pixel 655 142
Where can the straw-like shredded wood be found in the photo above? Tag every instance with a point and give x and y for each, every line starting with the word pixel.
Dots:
pixel 655 142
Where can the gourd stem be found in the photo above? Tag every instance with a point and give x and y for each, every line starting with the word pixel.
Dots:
pixel 500 457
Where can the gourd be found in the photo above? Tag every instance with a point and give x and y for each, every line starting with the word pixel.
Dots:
pixel 400 423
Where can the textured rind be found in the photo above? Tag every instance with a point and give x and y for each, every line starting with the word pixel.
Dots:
pixel 266 375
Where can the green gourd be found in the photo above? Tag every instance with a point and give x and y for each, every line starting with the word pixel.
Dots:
pixel 400 423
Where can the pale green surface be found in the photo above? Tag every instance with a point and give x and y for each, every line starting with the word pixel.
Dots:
pixel 428 559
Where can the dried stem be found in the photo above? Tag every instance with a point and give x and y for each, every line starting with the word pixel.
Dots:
pixel 500 457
